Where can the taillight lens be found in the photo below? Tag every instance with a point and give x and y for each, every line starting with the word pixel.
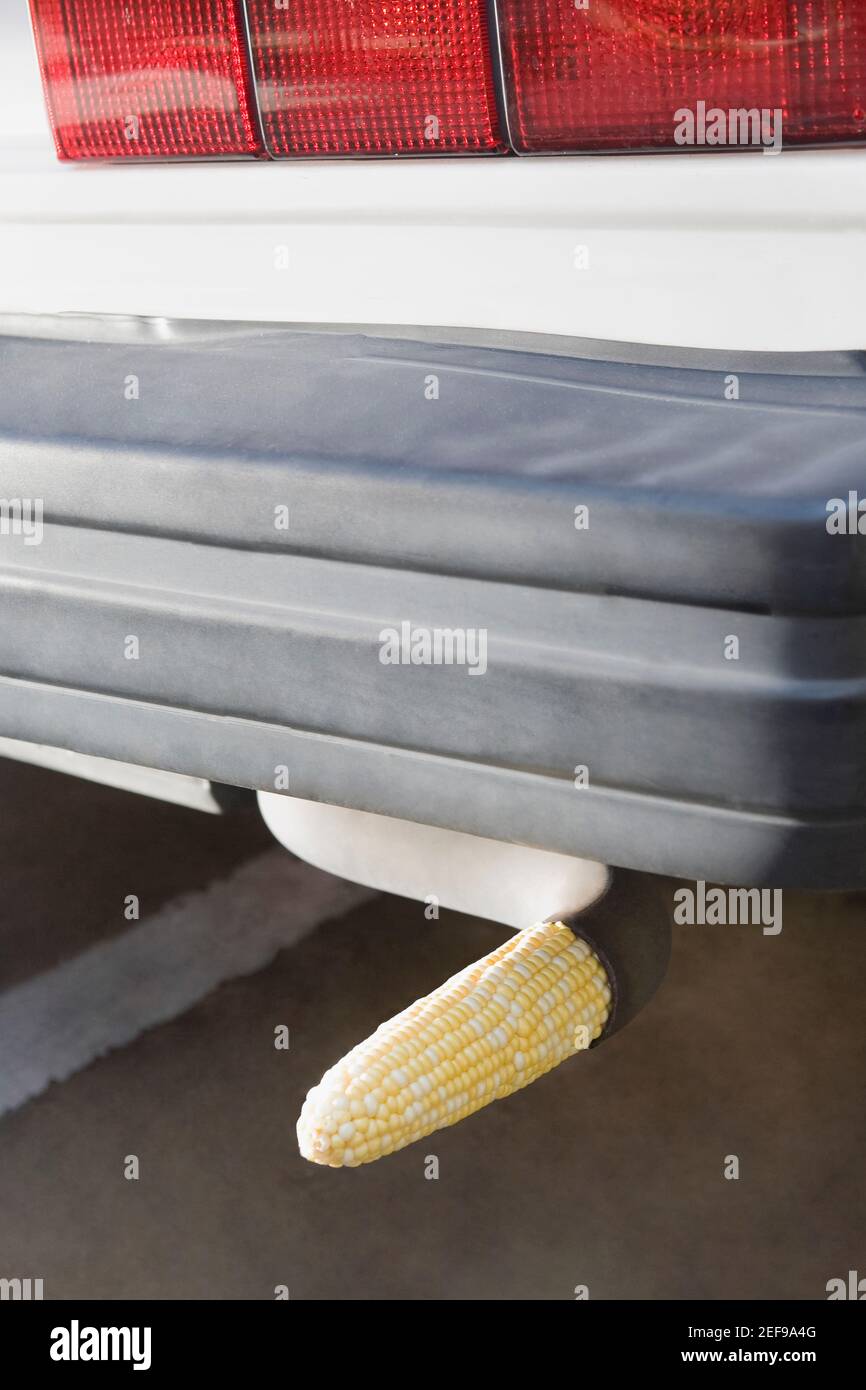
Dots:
pixel 146 77
pixel 619 74
pixel 374 76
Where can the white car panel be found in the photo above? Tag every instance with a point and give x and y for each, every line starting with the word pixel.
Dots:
pixel 740 251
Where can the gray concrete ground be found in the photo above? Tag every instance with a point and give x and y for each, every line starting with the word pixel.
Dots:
pixel 609 1172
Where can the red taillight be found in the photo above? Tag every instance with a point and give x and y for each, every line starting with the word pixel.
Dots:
pixel 146 77
pixel 374 76
pixel 619 74
pixel 172 78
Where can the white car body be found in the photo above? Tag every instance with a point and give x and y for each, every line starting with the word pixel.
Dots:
pixel 742 251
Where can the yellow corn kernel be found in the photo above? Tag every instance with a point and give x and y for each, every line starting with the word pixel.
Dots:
pixel 488 1031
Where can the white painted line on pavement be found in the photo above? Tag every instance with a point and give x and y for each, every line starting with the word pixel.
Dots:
pixel 57 1023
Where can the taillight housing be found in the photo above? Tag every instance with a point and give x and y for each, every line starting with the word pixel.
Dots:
pixel 312 78
pixel 374 76
pixel 600 75
pixel 166 78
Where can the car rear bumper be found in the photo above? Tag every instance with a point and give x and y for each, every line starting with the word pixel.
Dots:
pixel 434 483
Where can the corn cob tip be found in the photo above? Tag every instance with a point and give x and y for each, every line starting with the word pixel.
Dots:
pixel 487 1032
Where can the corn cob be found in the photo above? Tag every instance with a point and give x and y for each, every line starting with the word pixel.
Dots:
pixel 488 1031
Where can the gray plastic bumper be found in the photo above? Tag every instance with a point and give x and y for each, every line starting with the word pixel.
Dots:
pixel 436 485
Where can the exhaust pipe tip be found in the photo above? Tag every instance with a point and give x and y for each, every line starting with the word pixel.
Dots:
pixel 632 939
